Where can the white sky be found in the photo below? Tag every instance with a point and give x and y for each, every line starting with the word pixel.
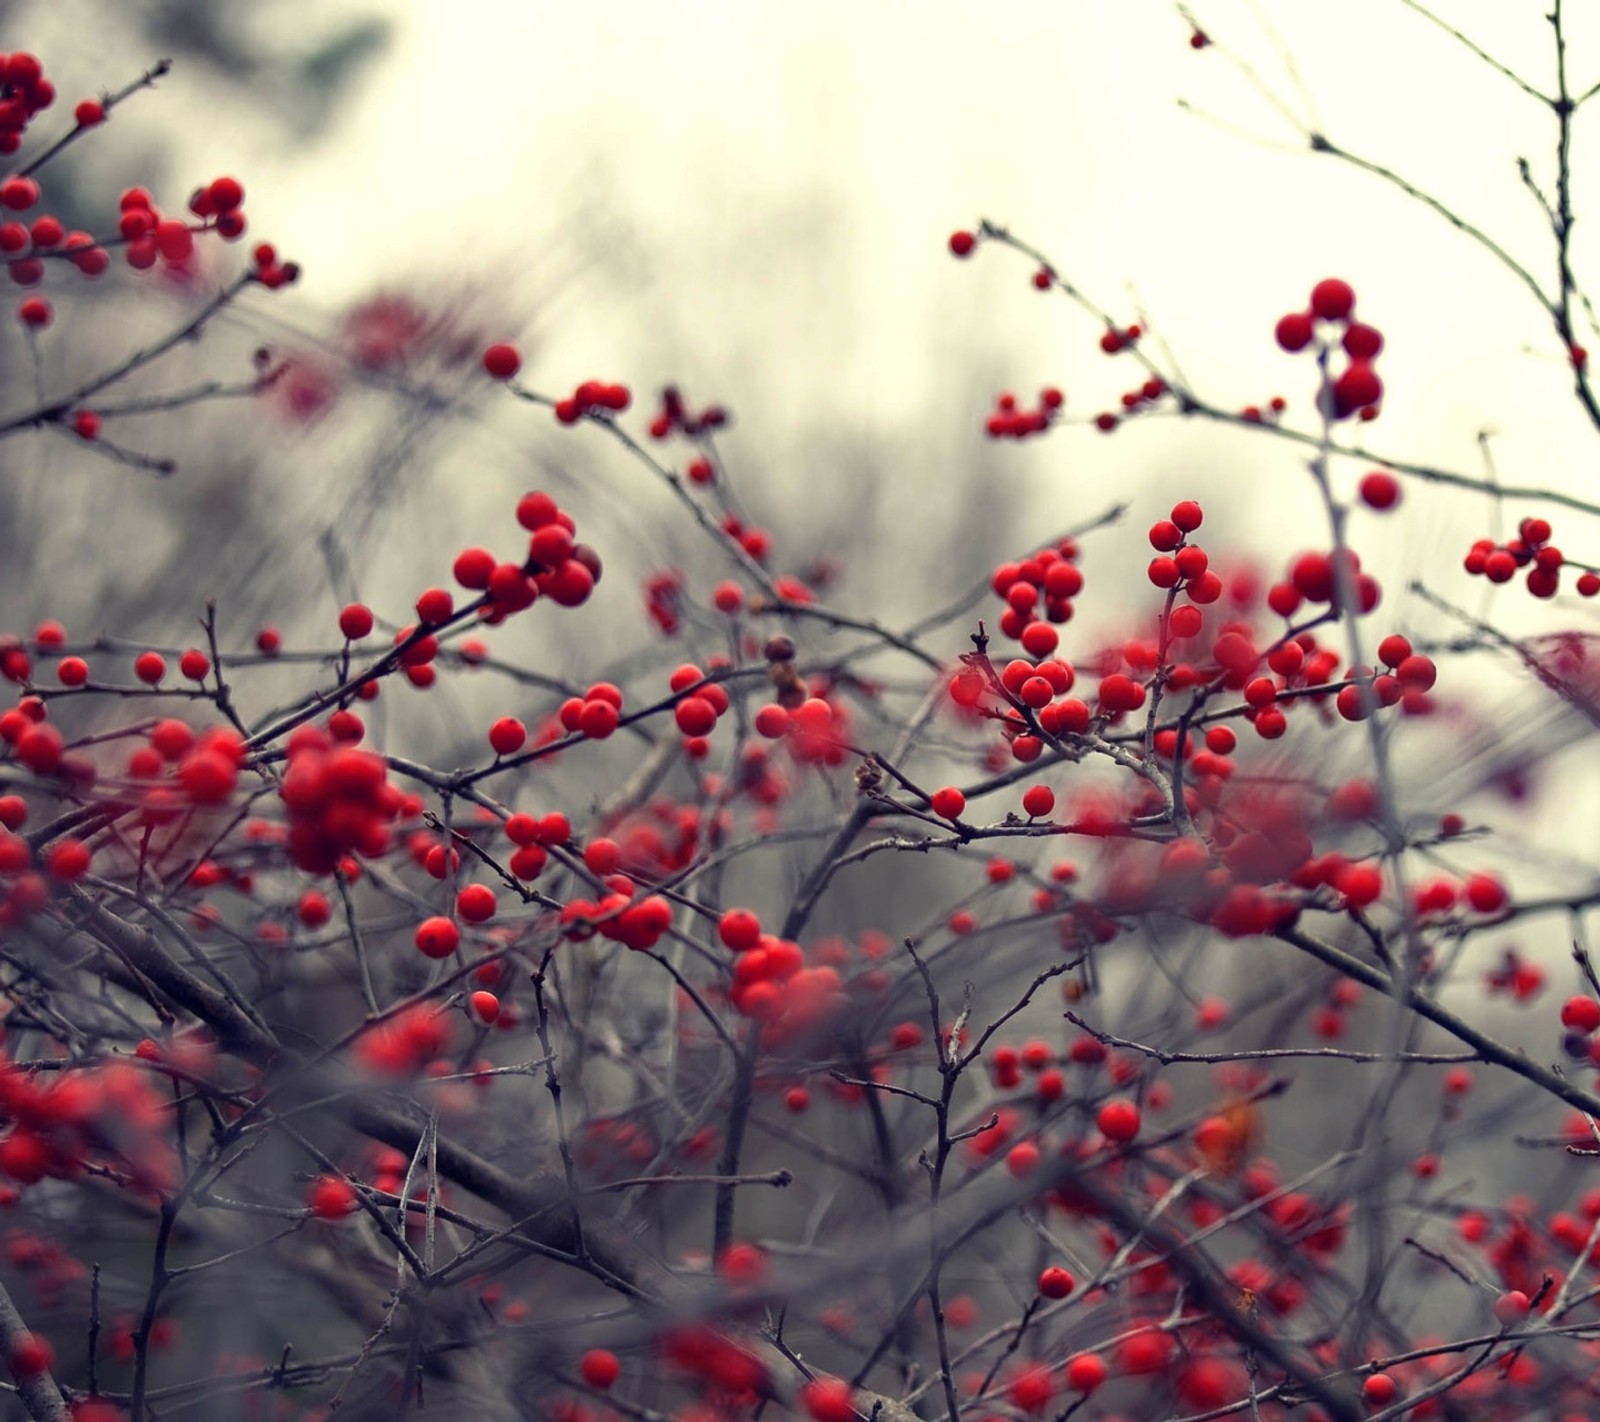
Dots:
pixel 782 179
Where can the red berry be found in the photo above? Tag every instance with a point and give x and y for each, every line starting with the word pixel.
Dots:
pixel 1186 621
pixel 1380 490
pixel 1358 386
pixel 173 239
pixel 1086 1372
pixel 537 510
pixel 739 929
pixel 1032 1390
pixel 1393 650
pixel 1165 536
pixel 962 243
pixel 1147 1351
pixel 437 937
pixel 1332 299
pixel 1187 515
pixel 1486 893
pixel 695 715
pixel 1038 801
pixel 1580 1014
pixel 435 606
pixel 1163 572
pixel 486 1007
pixel 473 567
pixel 1271 723
pixel 554 829
pixel 1362 342
pixel 225 194
pixel 475 903
pixel 599 1368
pixel 150 667
pixel 502 360
pixel 30 1356
pixel 1499 566
pixel 25 71
pixel 332 1197
pixel 507 735
pixel 19 194
pixel 1360 884
pixel 355 621
pixel 1380 1390
pixel 1355 701
pixel 1055 1282
pixel 1118 1120
pixel 1121 693
pixel 67 860
pixel 1294 331
pixel 772 722
pixel 598 719
pixel 1511 1307
pixel 1039 639
pixel 1036 691
pixel 829 1400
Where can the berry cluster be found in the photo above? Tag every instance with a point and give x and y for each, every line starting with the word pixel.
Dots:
pixel 1115 340
pixel 1357 388
pixel 339 801
pixel 1264 415
pixel 25 93
pixel 1047 580
pixel 676 415
pixel 107 1118
pixel 556 567
pixel 593 397
pixel 596 714
pixel 150 234
pixel 146 234
pixel 1009 421
pixel 268 270
pixel 1182 566
pixel 664 594
pixel 1530 549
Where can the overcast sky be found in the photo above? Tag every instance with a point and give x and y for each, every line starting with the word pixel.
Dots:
pixel 777 181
